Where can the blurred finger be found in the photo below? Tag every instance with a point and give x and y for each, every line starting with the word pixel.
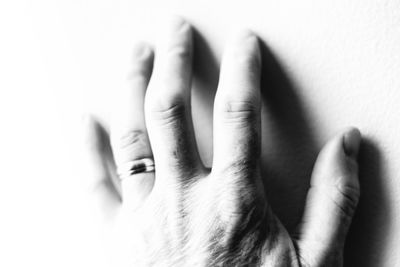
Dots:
pixel 99 159
pixel 130 141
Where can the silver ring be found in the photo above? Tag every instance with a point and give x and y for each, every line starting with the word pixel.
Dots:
pixel 136 166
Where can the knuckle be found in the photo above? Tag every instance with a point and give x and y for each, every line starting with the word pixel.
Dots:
pixel 168 112
pixel 346 198
pixel 239 182
pixel 240 199
pixel 243 168
pixel 133 138
pixel 133 144
pixel 241 111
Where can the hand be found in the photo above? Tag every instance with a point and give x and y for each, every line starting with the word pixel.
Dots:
pixel 185 215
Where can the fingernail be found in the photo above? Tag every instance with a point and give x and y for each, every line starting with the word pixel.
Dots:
pixel 351 142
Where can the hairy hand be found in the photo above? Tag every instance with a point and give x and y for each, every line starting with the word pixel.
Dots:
pixel 184 214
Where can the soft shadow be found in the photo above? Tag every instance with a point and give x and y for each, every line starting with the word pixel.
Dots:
pixel 205 81
pixel 206 66
pixel 289 147
pixel 365 244
pixel 103 133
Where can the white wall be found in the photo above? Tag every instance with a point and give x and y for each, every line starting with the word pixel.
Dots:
pixel 333 64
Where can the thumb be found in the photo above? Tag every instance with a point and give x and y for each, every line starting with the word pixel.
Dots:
pixel 331 201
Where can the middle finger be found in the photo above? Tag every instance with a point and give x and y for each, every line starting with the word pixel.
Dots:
pixel 237 109
pixel 167 106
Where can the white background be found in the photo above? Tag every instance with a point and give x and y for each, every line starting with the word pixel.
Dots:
pixel 61 59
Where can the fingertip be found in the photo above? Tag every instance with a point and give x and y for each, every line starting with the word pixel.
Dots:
pixel 141 51
pixel 246 35
pixel 338 158
pixel 174 28
pixel 176 22
pixel 245 42
pixel 241 65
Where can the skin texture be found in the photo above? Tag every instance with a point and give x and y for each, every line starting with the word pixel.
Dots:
pixel 187 215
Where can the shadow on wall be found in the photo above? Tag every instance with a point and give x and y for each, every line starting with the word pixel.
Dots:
pixel 365 244
pixel 205 81
pixel 289 146
pixel 206 67
pixel 289 150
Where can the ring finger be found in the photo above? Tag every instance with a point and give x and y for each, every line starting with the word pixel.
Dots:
pixel 130 142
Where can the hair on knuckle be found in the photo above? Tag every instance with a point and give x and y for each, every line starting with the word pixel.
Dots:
pixel 246 111
pixel 170 113
pixel 133 139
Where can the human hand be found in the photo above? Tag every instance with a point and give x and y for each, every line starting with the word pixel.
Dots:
pixel 186 215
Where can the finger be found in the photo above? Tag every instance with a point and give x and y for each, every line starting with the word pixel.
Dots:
pixel 168 111
pixel 332 199
pixel 130 141
pixel 100 165
pixel 237 108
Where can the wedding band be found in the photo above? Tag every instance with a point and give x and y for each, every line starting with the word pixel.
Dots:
pixel 135 167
